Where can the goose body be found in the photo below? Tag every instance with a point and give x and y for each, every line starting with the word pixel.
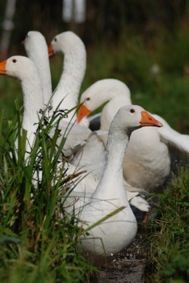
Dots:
pixel 118 231
pixel 37 50
pixel 146 164
pixel 66 94
pixel 75 136
pixel 90 160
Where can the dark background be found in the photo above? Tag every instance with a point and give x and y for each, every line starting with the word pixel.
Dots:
pixel 106 20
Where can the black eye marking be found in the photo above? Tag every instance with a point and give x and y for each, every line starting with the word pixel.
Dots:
pixel 14 60
pixel 55 39
pixel 87 99
pixel 132 110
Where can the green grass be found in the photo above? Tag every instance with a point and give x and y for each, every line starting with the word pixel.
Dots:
pixel 37 244
pixel 167 234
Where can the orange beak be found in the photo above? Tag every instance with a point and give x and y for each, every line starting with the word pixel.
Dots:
pixel 148 120
pixel 83 112
pixel 3 67
pixel 50 50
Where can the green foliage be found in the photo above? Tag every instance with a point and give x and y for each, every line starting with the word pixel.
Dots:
pixel 37 244
pixel 173 54
pixel 9 93
pixel 167 243
pixel 128 61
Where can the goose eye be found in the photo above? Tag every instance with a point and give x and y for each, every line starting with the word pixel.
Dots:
pixel 87 99
pixel 132 110
pixel 55 39
pixel 14 60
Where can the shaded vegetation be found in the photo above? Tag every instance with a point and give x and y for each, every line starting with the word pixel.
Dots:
pixel 37 244
pixel 167 243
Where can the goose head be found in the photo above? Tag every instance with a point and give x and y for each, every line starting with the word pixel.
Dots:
pixel 89 103
pixel 34 43
pixel 23 69
pixel 19 67
pixel 101 92
pixel 133 117
pixel 65 43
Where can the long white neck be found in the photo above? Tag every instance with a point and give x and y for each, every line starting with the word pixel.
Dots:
pixel 45 77
pixel 113 172
pixel 33 101
pixel 41 61
pixel 70 81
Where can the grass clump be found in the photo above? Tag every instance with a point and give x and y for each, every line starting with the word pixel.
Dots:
pixel 36 244
pixel 168 245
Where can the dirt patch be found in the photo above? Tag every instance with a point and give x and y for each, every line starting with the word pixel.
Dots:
pixel 131 271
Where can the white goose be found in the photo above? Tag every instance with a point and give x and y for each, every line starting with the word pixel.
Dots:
pixel 16 67
pixel 90 159
pixel 37 50
pixel 118 231
pixel 147 163
pixel 67 91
